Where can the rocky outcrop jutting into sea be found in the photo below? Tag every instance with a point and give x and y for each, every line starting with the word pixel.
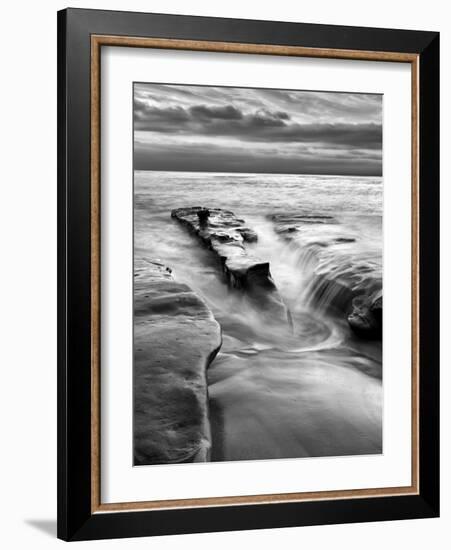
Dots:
pixel 226 235
pixel 341 277
pixel 175 339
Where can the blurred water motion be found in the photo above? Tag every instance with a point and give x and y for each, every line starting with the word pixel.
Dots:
pixel 313 390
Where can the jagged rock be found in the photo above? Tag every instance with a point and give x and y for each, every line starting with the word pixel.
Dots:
pixel 175 339
pixel 203 214
pixel 225 235
pixel 365 318
pixel 249 235
pixel 376 309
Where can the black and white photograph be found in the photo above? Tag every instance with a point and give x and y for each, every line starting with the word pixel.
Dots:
pixel 257 274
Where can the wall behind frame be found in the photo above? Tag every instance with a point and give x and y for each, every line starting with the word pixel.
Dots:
pixel 28 279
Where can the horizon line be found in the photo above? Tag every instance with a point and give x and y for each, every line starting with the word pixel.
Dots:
pixel 262 173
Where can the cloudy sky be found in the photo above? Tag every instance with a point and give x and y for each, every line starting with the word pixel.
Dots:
pixel 219 129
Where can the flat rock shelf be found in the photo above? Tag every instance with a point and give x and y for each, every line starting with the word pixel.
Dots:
pixel 175 339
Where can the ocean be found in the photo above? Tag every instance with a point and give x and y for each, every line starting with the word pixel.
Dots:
pixel 315 391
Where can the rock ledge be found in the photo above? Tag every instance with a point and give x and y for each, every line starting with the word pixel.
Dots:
pixel 175 339
pixel 225 234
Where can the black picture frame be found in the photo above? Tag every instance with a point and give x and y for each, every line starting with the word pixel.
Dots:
pixel 76 520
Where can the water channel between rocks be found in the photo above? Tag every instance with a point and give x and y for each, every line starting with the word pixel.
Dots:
pixel 275 391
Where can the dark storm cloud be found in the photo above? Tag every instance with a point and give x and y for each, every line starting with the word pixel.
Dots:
pixel 360 135
pixel 201 119
pixel 151 118
pixel 228 112
pixel 237 129
pixel 260 126
pixel 214 158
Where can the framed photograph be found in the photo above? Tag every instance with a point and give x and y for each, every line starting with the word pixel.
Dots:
pixel 248 274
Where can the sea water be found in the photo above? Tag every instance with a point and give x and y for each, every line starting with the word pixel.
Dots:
pixel 273 393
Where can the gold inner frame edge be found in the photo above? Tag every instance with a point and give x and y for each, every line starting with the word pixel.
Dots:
pixel 97 41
